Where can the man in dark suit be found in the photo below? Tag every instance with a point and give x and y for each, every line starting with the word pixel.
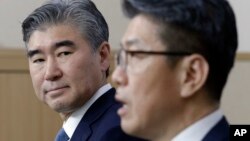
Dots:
pixel 68 53
pixel 174 61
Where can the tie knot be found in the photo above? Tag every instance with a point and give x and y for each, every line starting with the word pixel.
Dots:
pixel 61 136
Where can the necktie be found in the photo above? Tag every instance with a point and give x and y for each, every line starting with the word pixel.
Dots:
pixel 62 136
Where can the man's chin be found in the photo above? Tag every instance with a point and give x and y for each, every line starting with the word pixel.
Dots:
pixel 132 129
pixel 58 106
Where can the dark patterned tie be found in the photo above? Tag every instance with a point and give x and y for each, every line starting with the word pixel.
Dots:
pixel 62 136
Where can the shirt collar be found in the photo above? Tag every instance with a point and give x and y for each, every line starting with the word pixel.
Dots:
pixel 198 130
pixel 71 123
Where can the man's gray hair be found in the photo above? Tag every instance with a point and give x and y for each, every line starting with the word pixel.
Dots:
pixel 82 14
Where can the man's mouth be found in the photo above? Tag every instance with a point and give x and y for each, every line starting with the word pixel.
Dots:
pixel 56 90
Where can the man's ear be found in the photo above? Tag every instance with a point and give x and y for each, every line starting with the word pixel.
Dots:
pixel 104 52
pixel 194 74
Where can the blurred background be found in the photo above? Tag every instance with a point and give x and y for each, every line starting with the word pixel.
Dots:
pixel 24 118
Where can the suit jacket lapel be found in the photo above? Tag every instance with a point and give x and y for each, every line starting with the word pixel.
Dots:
pixel 100 106
pixel 83 130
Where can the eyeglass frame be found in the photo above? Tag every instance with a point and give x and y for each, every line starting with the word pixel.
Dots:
pixel 131 52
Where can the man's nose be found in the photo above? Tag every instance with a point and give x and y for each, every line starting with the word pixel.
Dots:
pixel 119 76
pixel 53 71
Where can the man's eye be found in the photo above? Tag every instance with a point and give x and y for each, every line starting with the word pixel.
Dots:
pixel 65 53
pixel 38 60
pixel 136 55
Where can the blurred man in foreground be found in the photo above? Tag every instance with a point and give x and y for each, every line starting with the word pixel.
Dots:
pixel 173 64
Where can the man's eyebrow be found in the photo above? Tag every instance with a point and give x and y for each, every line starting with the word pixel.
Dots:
pixel 131 42
pixel 31 53
pixel 65 43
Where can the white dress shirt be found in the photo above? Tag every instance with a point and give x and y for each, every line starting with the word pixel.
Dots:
pixel 71 123
pixel 198 130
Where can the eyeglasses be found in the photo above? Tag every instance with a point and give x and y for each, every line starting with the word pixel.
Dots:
pixel 124 57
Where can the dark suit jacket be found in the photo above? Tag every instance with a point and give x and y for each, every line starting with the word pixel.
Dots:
pixel 220 132
pixel 101 122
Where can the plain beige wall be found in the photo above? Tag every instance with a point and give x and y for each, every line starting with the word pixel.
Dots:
pixel 236 95
pixel 12 13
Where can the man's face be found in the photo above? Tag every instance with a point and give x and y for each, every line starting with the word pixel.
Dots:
pixel 65 71
pixel 147 87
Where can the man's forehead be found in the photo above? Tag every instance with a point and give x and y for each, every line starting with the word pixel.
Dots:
pixel 140 33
